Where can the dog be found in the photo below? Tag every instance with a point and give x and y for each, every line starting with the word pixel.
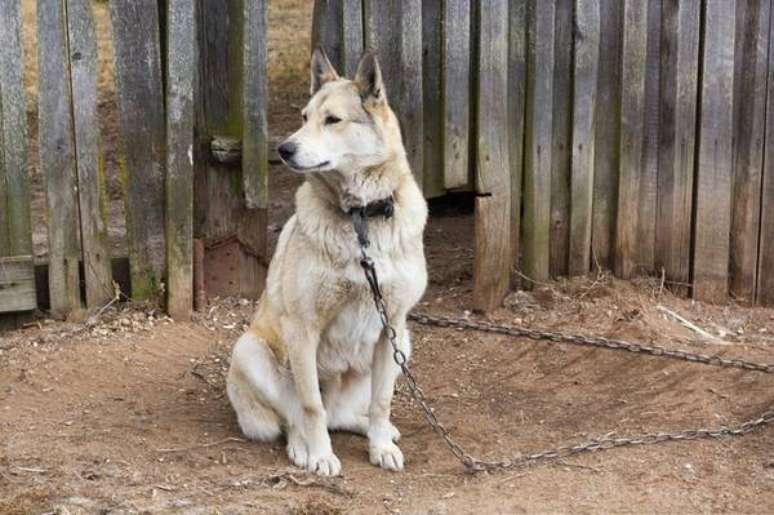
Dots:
pixel 316 357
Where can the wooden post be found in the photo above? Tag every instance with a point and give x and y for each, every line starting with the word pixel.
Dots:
pixel 538 140
pixel 327 30
pixel 517 94
pixel 715 161
pixel 92 192
pixel 562 132
pixel 750 76
pixel 765 276
pixel 230 211
pixel 584 108
pixel 141 109
pixel 493 211
pixel 432 97
pixel 632 135
pixel 679 81
pixel 607 134
pixel 455 86
pixel 181 72
pixel 15 229
pixel 57 160
pixel 351 16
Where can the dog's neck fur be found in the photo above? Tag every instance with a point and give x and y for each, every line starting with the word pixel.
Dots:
pixel 347 191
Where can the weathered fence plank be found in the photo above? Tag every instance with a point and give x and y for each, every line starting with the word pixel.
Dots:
pixel 327 30
pixel 646 220
pixel 517 93
pixel 538 140
pixel 351 15
pixel 715 158
pixel 255 145
pixel 141 110
pixel 57 160
pixel 493 248
pixel 92 193
pixel 765 279
pixel 607 134
pixel 456 72
pixel 433 177
pixel 751 70
pixel 562 133
pixel 633 60
pixel 181 72
pixel 679 82
pixel 586 69
pixel 17 279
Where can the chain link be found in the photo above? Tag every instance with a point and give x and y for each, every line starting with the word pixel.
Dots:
pixel 474 464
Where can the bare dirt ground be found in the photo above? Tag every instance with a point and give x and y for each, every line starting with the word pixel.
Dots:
pixel 127 414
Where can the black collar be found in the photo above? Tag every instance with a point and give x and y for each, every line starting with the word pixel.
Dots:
pixel 383 207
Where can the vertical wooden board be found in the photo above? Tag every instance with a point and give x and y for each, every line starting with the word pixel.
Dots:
pixel 493 250
pixel 538 140
pixel 13 134
pixel 57 160
pixel 517 93
pixel 432 152
pixel 181 71
pixel 765 277
pixel 714 175
pixel 585 70
pixel 255 99
pixel 750 76
pixel 560 154
pixel 646 227
pixel 680 33
pixel 327 30
pixel 607 134
pixel 351 37
pixel 141 111
pixel 92 192
pixel 455 85
pixel 633 60
pixel 394 30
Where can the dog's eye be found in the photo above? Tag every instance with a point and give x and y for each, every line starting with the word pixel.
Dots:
pixel 330 120
pixel 303 117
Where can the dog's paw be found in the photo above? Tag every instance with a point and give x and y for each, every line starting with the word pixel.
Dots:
pixel 388 456
pixel 326 465
pixel 393 432
pixel 297 451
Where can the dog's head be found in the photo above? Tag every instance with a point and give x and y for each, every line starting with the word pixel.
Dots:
pixel 347 124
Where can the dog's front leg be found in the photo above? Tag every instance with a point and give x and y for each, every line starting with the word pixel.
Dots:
pixel 381 433
pixel 302 355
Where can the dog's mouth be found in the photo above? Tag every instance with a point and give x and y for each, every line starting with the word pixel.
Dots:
pixel 296 168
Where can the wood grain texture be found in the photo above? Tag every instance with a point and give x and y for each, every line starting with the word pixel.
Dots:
pixel 181 73
pixel 750 76
pixel 517 94
pixel 432 99
pixel 255 99
pixel 92 192
pixel 679 82
pixel 715 163
pixel 765 276
pixel 646 220
pixel 17 236
pixel 456 73
pixel 633 61
pixel 351 16
pixel 141 111
pixel 584 108
pixel 327 30
pixel 57 160
pixel 17 284
pixel 607 134
pixel 493 249
pixel 562 132
pixel 538 140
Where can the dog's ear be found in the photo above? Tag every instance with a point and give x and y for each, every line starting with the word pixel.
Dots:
pixel 322 70
pixel 369 78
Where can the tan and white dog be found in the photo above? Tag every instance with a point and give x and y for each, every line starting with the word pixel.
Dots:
pixel 315 357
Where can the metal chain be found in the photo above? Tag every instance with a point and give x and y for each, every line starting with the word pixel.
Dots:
pixel 474 464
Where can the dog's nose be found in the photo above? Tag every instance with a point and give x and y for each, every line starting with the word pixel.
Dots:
pixel 286 150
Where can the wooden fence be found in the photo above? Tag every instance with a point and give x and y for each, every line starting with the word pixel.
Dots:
pixel 629 135
pixel 190 82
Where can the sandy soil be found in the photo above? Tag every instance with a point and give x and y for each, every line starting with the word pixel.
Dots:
pixel 128 414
